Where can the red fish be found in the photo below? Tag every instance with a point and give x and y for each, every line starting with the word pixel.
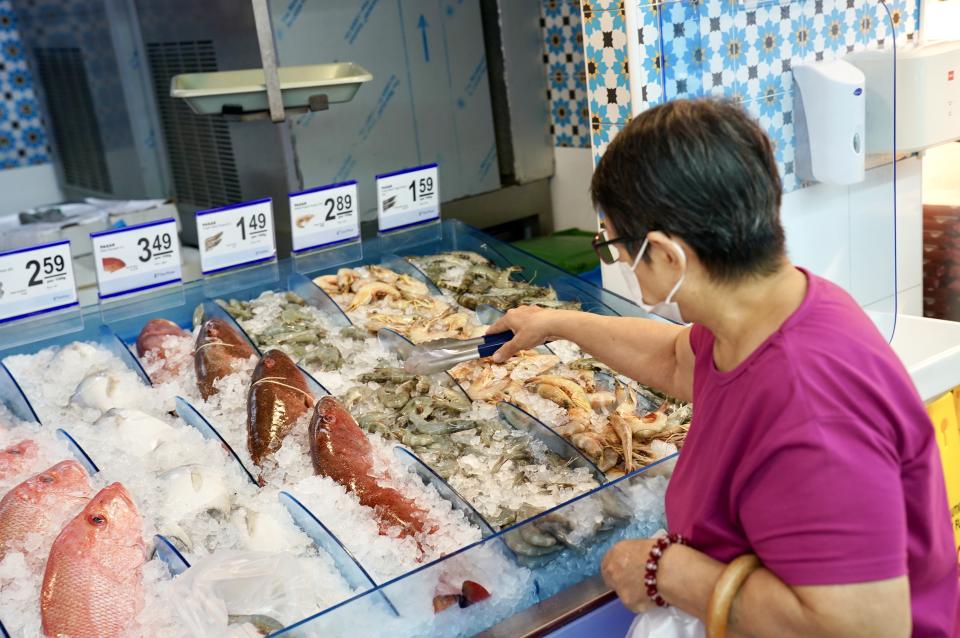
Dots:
pixel 340 450
pixel 218 347
pixel 92 583
pixel 14 459
pixel 43 502
pixel 150 345
pixel 113 264
pixel 278 396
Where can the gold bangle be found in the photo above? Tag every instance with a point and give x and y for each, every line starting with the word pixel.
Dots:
pixel 721 600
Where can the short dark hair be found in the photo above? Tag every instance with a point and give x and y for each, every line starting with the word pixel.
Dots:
pixel 701 170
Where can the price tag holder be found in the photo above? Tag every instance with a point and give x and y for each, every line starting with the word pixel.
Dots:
pixel 408 198
pixel 36 280
pixel 235 236
pixel 136 258
pixel 325 216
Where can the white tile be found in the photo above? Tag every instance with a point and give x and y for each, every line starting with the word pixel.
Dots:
pixel 818 231
pixel 872 237
pixel 910 223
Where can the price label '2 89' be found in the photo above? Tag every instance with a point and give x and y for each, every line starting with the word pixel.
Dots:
pixel 324 216
pixel 36 280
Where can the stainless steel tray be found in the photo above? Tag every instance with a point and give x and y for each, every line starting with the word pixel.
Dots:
pixel 245 91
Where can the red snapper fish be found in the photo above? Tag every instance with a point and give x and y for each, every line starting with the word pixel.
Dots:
pixel 150 345
pixel 219 347
pixel 278 396
pixel 92 583
pixel 14 458
pixel 340 450
pixel 43 502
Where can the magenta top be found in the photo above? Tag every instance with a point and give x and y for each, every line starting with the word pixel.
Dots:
pixel 816 453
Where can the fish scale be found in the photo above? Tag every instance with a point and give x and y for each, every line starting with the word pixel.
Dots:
pixel 278 396
pixel 92 583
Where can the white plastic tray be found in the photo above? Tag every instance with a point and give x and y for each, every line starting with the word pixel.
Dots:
pixel 208 93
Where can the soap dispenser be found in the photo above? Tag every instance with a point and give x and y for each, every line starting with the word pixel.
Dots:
pixel 829 120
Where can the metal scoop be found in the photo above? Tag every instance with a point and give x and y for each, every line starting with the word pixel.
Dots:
pixel 436 356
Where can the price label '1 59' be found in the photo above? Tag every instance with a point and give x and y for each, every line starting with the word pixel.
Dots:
pixel 235 236
pixel 408 197
pixel 323 216
pixel 137 257
pixel 36 280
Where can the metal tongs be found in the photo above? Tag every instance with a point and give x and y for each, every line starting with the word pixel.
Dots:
pixel 440 355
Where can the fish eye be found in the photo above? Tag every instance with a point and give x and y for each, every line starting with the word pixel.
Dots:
pixel 97 519
pixel 46 478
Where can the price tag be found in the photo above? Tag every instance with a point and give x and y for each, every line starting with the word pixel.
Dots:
pixel 236 235
pixel 408 197
pixel 36 280
pixel 323 216
pixel 136 258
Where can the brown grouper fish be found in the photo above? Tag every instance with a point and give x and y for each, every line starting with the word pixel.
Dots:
pixel 92 583
pixel 278 397
pixel 152 343
pixel 219 347
pixel 340 450
pixel 43 502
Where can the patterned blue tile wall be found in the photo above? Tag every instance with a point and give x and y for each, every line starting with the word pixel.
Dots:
pixel 23 140
pixel 566 80
pixel 740 49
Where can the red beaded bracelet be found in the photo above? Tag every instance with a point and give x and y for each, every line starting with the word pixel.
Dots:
pixel 653 563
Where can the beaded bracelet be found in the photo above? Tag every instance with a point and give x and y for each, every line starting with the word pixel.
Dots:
pixel 653 563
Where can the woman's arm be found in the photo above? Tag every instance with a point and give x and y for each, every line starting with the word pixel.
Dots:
pixel 654 353
pixel 765 605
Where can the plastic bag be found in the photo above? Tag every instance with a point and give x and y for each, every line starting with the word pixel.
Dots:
pixel 666 622
pixel 245 588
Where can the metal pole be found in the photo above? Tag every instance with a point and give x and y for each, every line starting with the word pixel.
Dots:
pixel 268 57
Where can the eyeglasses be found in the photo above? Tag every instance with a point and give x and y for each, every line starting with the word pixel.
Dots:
pixel 606 249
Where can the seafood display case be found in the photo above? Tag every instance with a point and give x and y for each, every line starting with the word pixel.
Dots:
pixel 283 474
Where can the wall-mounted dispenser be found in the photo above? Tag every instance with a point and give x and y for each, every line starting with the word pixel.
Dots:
pixel 928 96
pixel 829 122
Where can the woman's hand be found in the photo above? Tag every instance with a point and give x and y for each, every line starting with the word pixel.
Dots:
pixel 623 570
pixel 531 326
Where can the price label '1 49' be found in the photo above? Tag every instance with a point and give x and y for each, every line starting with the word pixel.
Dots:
pixel 36 280
pixel 235 236
pixel 323 216
pixel 136 258
pixel 408 197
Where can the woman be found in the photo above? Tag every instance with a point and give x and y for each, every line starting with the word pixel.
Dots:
pixel 809 445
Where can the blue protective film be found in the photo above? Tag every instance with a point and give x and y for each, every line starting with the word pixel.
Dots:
pixel 170 555
pixel 519 419
pixel 351 570
pixel 192 417
pixel 78 452
pixel 316 297
pixel 412 462
pixel 109 340
pixel 13 397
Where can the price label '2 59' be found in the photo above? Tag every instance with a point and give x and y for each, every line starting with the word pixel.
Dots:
pixel 36 280
pixel 136 258
pixel 235 236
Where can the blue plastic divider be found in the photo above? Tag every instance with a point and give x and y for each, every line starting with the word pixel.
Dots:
pixel 413 462
pixel 13 397
pixel 170 555
pixel 111 341
pixel 521 420
pixel 192 417
pixel 318 298
pixel 78 452
pixel 607 381
pixel 349 567
pixel 3 631
pixel 400 265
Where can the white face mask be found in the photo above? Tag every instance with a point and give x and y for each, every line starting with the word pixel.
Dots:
pixel 668 309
